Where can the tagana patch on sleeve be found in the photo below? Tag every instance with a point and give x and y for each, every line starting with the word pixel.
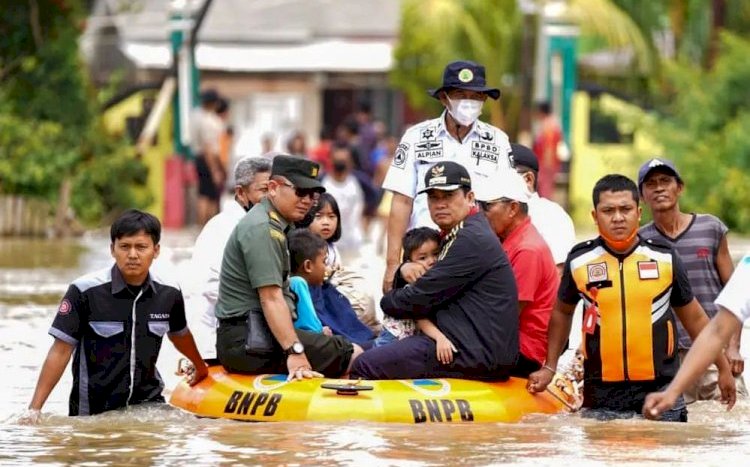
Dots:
pixel 65 307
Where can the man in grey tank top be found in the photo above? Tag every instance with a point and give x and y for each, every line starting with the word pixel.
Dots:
pixel 701 242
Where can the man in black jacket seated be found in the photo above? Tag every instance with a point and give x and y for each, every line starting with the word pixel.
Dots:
pixel 470 294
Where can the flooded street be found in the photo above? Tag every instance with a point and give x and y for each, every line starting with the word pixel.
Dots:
pixel 34 275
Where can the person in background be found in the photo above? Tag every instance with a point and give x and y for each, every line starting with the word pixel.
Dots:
pixel 701 241
pixel 206 130
pixel 630 287
pixel 321 153
pixel 344 187
pixel 267 143
pixel 367 137
pixel 734 309
pixel 251 176
pixel 227 135
pixel 296 145
pixel 307 263
pixel 548 217
pixel 324 219
pixel 456 135
pixel 505 203
pixel 546 142
pixel 115 348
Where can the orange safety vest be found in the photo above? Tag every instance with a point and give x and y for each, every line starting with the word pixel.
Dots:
pixel 634 336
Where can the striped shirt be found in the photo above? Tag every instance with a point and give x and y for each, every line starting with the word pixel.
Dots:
pixel 698 247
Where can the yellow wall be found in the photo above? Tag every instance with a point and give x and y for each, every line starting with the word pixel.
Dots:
pixel 591 161
pixel 155 157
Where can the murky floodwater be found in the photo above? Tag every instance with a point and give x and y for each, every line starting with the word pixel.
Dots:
pixel 34 274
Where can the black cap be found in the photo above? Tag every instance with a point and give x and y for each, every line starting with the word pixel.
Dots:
pixel 657 163
pixel 301 172
pixel 467 75
pixel 209 96
pixel 446 176
pixel 523 155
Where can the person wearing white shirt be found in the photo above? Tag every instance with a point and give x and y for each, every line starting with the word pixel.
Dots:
pixel 343 185
pixel 206 129
pixel 251 176
pixel 734 310
pixel 548 217
pixel 458 136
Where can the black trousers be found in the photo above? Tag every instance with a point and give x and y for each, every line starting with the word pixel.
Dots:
pixel 327 355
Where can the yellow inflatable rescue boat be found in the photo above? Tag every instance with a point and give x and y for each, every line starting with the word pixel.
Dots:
pixel 270 398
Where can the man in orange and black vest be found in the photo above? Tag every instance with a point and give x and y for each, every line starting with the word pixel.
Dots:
pixel 629 287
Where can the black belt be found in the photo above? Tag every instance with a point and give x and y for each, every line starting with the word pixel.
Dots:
pixel 233 320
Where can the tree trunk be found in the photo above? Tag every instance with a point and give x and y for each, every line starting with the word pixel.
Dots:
pixel 62 222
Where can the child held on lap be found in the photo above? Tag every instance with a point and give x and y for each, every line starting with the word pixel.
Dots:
pixel 422 246
pixel 307 258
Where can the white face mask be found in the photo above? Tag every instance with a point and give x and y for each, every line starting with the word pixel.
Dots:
pixel 465 111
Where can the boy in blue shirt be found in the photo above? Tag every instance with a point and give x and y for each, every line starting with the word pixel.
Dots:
pixel 307 258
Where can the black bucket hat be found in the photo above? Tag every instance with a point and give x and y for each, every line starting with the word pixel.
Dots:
pixel 463 74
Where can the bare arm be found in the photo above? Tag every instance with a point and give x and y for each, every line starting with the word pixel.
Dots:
pixel 398 221
pixel 704 350
pixel 694 319
pixel 279 320
pixel 725 268
pixel 186 345
pixel 429 329
pixel 557 334
pixel 54 365
pixel 444 348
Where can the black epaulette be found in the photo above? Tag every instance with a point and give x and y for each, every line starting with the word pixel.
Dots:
pixel 658 244
pixel 586 244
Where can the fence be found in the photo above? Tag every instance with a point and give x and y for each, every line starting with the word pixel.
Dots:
pixel 24 216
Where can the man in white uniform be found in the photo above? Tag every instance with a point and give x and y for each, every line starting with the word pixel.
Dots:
pixel 549 218
pixel 455 136
pixel 734 310
pixel 251 184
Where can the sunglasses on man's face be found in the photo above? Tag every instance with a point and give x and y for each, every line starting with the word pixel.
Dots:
pixel 487 205
pixel 311 193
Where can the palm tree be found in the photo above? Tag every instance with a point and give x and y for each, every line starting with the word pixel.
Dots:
pixel 435 32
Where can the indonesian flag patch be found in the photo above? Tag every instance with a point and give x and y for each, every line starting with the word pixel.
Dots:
pixel 648 270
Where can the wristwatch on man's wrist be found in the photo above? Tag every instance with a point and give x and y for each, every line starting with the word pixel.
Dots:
pixel 295 349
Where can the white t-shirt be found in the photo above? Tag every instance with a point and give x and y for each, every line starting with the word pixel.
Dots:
pixel 555 226
pixel 203 289
pixel 351 201
pixel 735 296
pixel 206 129
pixel 484 152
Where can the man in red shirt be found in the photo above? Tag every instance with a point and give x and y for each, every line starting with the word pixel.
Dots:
pixel 505 203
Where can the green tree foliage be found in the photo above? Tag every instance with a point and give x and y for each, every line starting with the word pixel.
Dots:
pixel 708 132
pixel 436 32
pixel 51 131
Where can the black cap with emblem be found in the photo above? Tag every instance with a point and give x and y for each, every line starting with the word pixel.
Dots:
pixel 523 155
pixel 446 176
pixel 463 74
pixel 301 172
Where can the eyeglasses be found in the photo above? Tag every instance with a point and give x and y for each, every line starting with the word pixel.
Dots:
pixel 311 193
pixel 487 205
